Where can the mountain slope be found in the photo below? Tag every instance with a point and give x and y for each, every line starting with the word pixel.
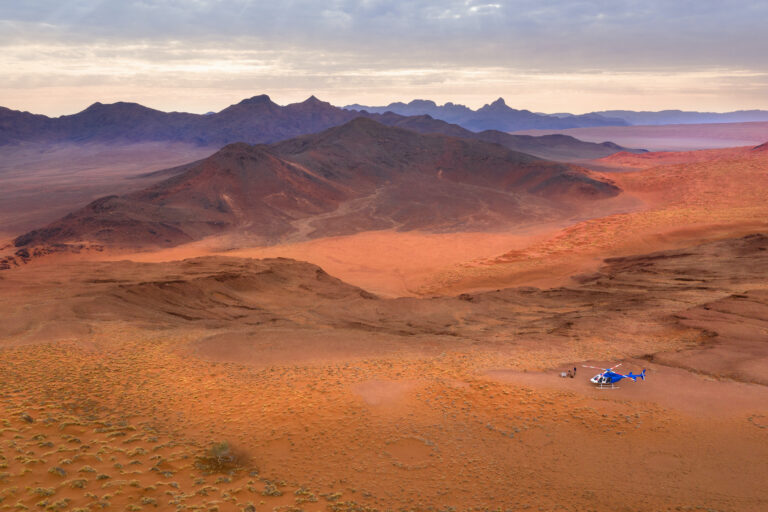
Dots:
pixel 551 147
pixel 358 176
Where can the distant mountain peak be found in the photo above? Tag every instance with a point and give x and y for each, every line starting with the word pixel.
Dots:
pixel 123 104
pixel 117 108
pixel 422 103
pixel 359 125
pixel 313 100
pixel 257 100
pixel 312 104
pixel 499 106
pixel 97 106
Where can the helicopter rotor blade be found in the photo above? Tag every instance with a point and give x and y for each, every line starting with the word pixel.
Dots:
pixel 612 367
pixel 595 367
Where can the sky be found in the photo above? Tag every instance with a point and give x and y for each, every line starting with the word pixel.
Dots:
pixel 59 56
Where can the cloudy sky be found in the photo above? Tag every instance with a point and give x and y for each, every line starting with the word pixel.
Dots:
pixel 58 56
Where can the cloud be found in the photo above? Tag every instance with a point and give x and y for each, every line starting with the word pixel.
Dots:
pixel 549 33
pixel 403 44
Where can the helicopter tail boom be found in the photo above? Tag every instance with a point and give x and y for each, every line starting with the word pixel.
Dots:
pixel 634 377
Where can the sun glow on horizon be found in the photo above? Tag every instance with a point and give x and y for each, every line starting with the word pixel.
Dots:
pixel 551 57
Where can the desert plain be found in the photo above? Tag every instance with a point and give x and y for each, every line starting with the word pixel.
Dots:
pixel 392 369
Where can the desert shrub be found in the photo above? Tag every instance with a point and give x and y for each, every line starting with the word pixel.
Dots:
pixel 221 458
pixel 59 505
pixel 43 491
pixel 78 483
pixel 57 471
pixel 271 489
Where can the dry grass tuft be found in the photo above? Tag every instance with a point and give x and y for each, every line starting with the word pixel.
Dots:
pixel 222 458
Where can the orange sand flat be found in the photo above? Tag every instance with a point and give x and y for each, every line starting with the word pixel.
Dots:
pixel 126 417
pixel 387 262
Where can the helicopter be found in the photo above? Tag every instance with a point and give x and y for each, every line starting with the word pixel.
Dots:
pixel 607 378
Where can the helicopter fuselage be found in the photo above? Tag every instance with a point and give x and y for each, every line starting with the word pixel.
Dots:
pixel 606 378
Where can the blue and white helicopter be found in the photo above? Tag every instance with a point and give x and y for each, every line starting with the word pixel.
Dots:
pixel 607 378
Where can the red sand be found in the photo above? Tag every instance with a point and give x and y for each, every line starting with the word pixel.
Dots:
pixel 344 402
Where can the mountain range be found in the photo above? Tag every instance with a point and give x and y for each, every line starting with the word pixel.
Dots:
pixel 359 176
pixel 493 116
pixel 256 120
pixel 499 116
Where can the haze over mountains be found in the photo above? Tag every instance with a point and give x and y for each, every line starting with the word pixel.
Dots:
pixel 360 176
pixel 256 120
pixel 686 117
pixel 499 116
